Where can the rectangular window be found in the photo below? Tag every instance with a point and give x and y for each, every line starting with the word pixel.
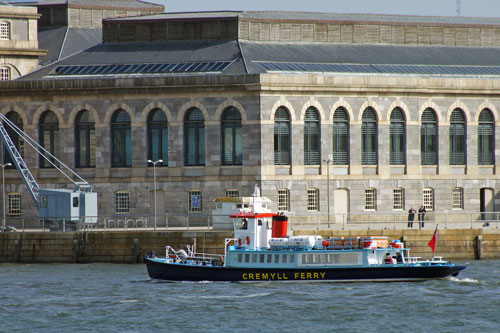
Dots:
pixel 283 200
pixel 370 199
pixel 194 201
pixel 232 193
pixel 458 198
pixel 313 199
pixel 276 258
pixel 428 198
pixel 14 204
pixel 4 73
pixel 4 30
pixel 398 202
pixel 122 202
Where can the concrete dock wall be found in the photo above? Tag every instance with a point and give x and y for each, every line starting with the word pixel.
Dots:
pixel 130 247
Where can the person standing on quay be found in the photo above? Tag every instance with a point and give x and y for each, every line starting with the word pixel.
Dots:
pixel 411 217
pixel 421 216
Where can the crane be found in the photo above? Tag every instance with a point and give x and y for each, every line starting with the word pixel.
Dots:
pixel 79 204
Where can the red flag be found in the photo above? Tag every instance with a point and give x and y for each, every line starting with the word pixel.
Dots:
pixel 433 241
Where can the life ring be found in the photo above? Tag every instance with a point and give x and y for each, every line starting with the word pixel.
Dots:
pixel 244 240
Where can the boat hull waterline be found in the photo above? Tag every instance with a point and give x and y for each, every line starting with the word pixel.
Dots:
pixel 161 270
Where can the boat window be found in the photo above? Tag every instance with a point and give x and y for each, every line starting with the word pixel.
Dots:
pixel 261 258
pixel 240 257
pixel 247 257
pixel 269 258
pixel 307 258
pixel 292 258
pixel 276 258
pixel 254 257
pixel 260 222
pixel 331 258
pixel 283 259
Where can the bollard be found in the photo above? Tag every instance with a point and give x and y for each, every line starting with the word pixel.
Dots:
pixel 16 250
pixel 479 247
pixel 75 250
pixel 403 240
pixel 136 250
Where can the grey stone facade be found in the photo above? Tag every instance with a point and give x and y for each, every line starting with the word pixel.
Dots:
pixel 257 94
pixel 66 98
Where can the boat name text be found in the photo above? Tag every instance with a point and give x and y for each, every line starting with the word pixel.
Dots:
pixel 284 276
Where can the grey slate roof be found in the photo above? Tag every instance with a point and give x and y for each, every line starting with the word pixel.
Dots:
pixel 371 54
pixel 154 52
pixel 245 56
pixel 61 42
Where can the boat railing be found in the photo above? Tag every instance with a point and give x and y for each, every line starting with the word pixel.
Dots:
pixel 190 255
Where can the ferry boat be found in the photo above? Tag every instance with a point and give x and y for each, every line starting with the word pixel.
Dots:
pixel 262 251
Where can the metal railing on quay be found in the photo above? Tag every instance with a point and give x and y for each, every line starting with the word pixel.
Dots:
pixel 313 221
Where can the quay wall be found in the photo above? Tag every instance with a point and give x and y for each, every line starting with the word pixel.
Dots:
pixel 131 246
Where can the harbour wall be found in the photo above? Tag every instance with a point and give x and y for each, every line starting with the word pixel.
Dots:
pixel 132 246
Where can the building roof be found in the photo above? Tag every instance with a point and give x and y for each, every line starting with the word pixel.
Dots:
pixel 61 42
pixel 279 16
pixel 103 4
pixel 243 56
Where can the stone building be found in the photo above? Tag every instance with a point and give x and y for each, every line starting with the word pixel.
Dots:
pixel 66 27
pixel 19 51
pixel 347 114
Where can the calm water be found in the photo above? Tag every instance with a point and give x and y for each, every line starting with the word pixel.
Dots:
pixel 121 298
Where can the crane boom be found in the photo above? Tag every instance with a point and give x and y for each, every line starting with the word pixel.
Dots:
pixel 19 163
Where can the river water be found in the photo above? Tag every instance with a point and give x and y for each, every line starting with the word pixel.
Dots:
pixel 122 298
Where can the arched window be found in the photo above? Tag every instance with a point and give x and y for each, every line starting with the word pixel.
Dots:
pixel 49 138
pixel 429 138
pixel 282 136
pixel 85 142
pixel 398 137
pixel 458 145
pixel 5 73
pixel 194 137
pixel 121 140
pixel 369 137
pixel 486 138
pixel 312 137
pixel 18 141
pixel 232 137
pixel 340 137
pixel 4 30
pixel 158 137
